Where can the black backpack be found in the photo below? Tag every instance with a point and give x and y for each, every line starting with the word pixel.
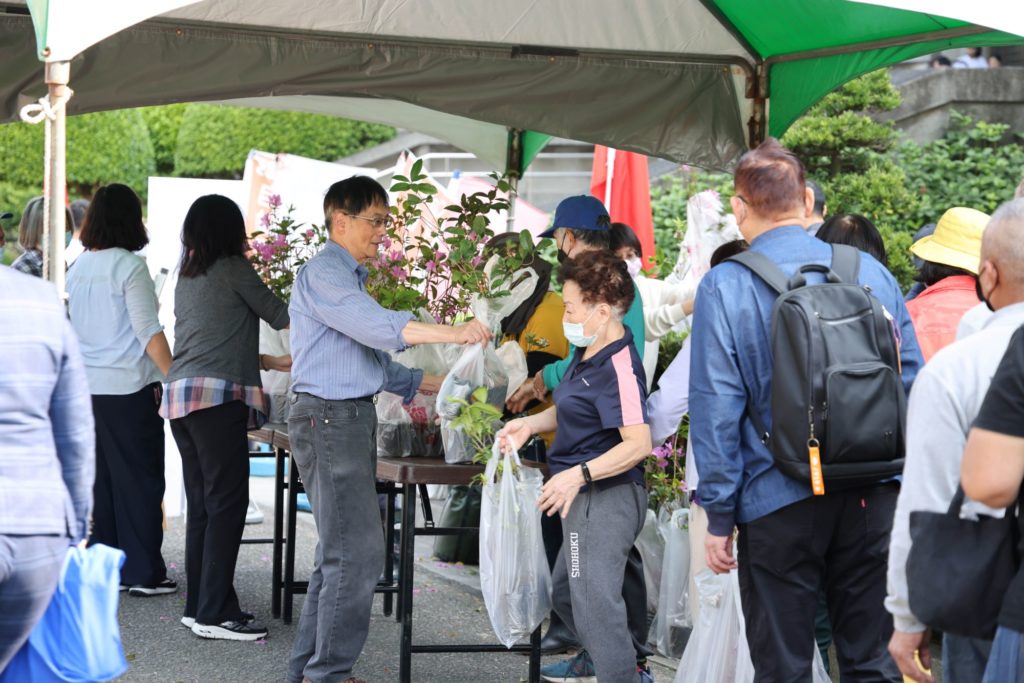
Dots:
pixel 836 376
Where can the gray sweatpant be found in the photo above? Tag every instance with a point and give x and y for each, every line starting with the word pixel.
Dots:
pixel 335 448
pixel 598 534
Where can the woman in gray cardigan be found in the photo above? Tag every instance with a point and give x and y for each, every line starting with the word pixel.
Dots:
pixel 213 397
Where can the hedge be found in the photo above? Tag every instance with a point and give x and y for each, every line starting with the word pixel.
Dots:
pixel 101 148
pixel 214 140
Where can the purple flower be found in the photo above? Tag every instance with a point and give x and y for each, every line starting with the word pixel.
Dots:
pixel 402 276
pixel 310 234
pixel 397 271
pixel 386 242
pixel 397 256
pixel 661 462
pixel 430 266
pixel 274 200
pixel 477 260
pixel 265 220
pixel 280 240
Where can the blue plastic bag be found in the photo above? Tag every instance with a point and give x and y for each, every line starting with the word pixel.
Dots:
pixel 78 639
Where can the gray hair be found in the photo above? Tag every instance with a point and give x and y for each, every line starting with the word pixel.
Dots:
pixel 1003 240
pixel 30 230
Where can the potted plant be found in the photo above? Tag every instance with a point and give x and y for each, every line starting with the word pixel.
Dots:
pixel 278 248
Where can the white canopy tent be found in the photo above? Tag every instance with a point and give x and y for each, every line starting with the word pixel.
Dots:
pixel 686 80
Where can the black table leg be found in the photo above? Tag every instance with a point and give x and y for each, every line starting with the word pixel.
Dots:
pixel 389 542
pixel 289 555
pixel 279 540
pixel 405 580
pixel 535 655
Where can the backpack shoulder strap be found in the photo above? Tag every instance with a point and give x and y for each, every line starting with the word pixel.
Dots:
pixel 764 268
pixel 845 263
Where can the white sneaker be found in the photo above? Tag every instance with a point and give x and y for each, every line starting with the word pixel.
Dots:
pixel 188 622
pixel 253 514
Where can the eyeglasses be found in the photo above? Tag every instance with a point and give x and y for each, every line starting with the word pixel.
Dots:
pixel 377 223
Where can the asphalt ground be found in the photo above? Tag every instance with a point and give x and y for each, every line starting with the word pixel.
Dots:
pixel 447 608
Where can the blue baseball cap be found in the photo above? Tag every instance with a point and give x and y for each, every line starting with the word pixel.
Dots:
pixel 582 212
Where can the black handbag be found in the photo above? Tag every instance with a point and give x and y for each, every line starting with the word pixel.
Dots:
pixel 958 570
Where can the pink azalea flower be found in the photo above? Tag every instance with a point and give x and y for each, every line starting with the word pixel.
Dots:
pixel 265 220
pixel 386 242
pixel 477 260
pixel 661 462
pixel 280 240
pixel 397 271
pixel 397 256
pixel 430 266
pixel 310 234
pixel 274 200
pixel 402 276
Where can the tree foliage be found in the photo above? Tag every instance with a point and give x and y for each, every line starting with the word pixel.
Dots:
pixel 102 148
pixel 163 124
pixel 214 140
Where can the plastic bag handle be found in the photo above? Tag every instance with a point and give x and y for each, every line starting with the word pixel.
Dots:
pixel 511 458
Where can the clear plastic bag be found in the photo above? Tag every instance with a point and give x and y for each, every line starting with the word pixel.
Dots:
pixel 514 361
pixel 651 545
pixel 276 385
pixel 673 623
pixel 514 575
pixel 718 650
pixel 477 367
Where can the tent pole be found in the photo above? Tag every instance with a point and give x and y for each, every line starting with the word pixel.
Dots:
pixel 513 171
pixel 57 76
pixel 757 91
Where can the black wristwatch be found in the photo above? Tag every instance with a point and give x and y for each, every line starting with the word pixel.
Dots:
pixel 586 473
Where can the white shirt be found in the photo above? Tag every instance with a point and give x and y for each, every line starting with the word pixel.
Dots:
pixel 973 320
pixel 73 251
pixel 663 310
pixel 946 398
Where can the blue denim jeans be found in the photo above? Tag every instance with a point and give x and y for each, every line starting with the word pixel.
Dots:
pixel 1005 664
pixel 334 446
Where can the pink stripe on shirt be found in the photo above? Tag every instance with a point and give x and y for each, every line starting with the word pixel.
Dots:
pixel 629 389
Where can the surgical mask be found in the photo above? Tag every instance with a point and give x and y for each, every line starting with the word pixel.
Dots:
pixel 981 294
pixel 633 265
pixel 575 335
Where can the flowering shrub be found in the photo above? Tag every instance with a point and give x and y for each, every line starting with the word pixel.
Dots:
pixel 281 246
pixel 665 470
pixel 436 262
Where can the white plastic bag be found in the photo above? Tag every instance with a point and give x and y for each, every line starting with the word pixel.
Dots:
pixel 514 575
pixel 651 545
pixel 718 651
pixel 706 230
pixel 477 367
pixel 673 622
pixel 514 361
pixel 276 385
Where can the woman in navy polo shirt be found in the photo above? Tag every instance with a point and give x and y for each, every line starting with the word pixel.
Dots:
pixel 596 460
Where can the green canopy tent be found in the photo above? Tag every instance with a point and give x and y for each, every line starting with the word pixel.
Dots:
pixel 693 81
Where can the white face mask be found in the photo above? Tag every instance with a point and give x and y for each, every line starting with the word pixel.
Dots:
pixel 575 334
pixel 634 264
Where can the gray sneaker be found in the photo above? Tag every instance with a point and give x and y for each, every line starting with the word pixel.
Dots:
pixel 579 669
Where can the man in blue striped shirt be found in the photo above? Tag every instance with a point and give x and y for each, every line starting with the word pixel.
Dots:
pixel 47 451
pixel 339 338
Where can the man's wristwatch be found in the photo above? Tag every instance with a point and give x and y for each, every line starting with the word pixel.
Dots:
pixel 586 473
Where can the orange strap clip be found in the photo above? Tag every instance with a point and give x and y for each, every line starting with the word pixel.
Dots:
pixel 814 456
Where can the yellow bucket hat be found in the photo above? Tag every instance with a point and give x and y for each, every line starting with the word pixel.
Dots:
pixel 956 241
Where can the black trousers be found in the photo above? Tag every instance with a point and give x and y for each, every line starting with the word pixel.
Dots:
pixel 129 484
pixel 839 541
pixel 215 463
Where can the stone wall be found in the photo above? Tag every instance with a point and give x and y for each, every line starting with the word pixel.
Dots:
pixel 994 95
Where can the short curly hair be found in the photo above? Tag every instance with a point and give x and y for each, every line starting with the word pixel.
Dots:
pixel 602 277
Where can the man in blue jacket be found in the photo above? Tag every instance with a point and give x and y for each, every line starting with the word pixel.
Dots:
pixel 790 543
pixel 47 452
